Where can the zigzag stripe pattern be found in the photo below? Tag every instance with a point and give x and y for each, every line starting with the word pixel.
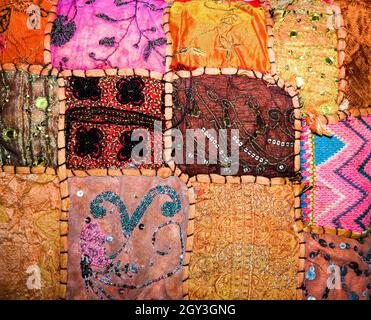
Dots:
pixel 342 176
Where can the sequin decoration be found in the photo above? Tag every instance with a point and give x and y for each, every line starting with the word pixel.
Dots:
pixel 264 116
pixel 30 209
pixel 305 43
pixel 244 246
pixel 127 238
pixel 28 119
pixel 102 114
pixel 341 273
pixel 105 34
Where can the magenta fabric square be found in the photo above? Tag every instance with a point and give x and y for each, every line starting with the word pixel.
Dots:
pixel 104 34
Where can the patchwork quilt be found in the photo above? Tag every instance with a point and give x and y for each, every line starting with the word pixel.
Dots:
pixel 185 149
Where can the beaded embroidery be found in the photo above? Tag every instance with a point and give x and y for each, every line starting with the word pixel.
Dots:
pixel 102 114
pixel 28 119
pixel 109 34
pixel 141 257
pixel 336 268
pixel 263 114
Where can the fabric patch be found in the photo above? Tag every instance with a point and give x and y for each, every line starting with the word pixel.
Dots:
pixel 127 238
pixel 305 48
pixel 218 34
pixel 263 114
pixel 105 34
pixel 339 170
pixel 29 236
pixel 102 114
pixel 22 25
pixel 244 246
pixel 28 119
pixel 336 268
pixel 356 15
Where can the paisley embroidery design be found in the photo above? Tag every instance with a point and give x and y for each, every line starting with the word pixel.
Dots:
pixel 143 255
pixel 109 34
pixel 263 114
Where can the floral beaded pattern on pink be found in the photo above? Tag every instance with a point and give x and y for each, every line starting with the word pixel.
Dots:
pixel 100 34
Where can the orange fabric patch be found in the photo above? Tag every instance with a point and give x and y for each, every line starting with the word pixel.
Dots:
pixel 218 35
pixel 22 25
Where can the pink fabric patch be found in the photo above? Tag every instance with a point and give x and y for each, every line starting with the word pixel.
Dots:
pixel 101 34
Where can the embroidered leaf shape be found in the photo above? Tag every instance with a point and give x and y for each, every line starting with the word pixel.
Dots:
pixel 4 19
pixel 148 50
pixel 105 17
pixel 107 42
pixel 159 42
pixel 120 3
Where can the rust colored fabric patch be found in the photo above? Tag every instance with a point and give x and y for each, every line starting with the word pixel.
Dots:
pixel 264 116
pixel 102 114
pixel 29 236
pixel 28 119
pixel 244 247
pixel 218 35
pixel 356 15
pixel 336 268
pixel 22 25
pixel 305 43
pixel 127 238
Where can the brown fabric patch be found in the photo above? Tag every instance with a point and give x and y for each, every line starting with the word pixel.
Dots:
pixel 127 237
pixel 356 14
pixel 244 247
pixel 29 235
pixel 28 119
pixel 351 260
pixel 263 114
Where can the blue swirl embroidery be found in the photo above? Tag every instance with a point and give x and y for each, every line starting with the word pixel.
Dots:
pixel 128 224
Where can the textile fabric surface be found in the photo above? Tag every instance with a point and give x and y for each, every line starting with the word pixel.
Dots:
pixel 339 171
pixel 102 114
pixel 305 48
pixel 263 114
pixel 22 25
pixel 29 112
pixel 244 246
pixel 127 237
pixel 337 268
pixel 358 51
pixel 29 236
pixel 109 34
pixel 218 35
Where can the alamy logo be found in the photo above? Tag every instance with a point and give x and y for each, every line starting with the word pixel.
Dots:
pixel 34 280
pixel 33 19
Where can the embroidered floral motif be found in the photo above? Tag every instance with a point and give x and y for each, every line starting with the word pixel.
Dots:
pixel 130 91
pixel 109 34
pixel 62 31
pixel 115 106
pixel 88 142
pixel 127 253
pixel 86 88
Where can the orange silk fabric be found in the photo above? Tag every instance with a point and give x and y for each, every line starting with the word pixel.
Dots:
pixel 19 41
pixel 218 35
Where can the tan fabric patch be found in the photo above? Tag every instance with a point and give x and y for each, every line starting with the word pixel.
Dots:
pixel 29 235
pixel 244 247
